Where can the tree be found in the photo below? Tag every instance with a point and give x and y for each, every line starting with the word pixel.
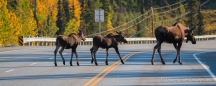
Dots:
pixel 25 15
pixel 108 15
pixel 200 28
pixel 51 28
pixel 61 20
pixel 91 26
pixel 10 26
pixel 193 9
pixel 71 27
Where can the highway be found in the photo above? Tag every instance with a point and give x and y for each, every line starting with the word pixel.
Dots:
pixel 34 66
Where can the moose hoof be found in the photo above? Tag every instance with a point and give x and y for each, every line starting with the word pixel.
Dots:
pixel 55 64
pixel 174 61
pixel 96 64
pixel 64 63
pixel 92 62
pixel 122 62
pixel 71 64
pixel 152 63
pixel 106 63
pixel 163 63
pixel 77 64
pixel 180 63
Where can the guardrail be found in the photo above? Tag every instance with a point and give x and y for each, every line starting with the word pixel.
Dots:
pixel 46 41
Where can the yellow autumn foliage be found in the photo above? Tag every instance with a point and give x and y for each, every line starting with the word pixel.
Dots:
pixel 10 28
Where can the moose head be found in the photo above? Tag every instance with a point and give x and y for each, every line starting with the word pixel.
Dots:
pixel 189 34
pixel 120 37
pixel 81 35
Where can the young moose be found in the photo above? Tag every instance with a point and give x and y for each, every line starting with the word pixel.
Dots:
pixel 174 34
pixel 68 42
pixel 109 41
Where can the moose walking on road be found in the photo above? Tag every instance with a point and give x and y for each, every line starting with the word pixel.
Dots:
pixel 174 34
pixel 109 41
pixel 68 42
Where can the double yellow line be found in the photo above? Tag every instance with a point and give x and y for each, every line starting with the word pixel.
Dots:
pixel 95 80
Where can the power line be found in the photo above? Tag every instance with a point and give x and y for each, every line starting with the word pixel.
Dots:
pixel 122 24
pixel 140 31
pixel 169 5
pixel 150 16
pixel 168 19
pixel 170 10
pixel 174 18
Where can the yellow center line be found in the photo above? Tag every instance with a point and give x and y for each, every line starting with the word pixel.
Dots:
pixel 106 73
pixel 99 74
pixel 95 80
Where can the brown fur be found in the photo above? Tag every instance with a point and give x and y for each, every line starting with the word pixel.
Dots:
pixel 174 34
pixel 68 42
pixel 109 41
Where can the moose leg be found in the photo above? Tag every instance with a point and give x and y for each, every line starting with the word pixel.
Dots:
pixel 176 47
pixel 117 51
pixel 107 53
pixel 95 48
pixel 179 50
pixel 159 51
pixel 74 50
pixel 60 52
pixel 91 50
pixel 71 57
pixel 55 52
pixel 178 54
pixel 155 48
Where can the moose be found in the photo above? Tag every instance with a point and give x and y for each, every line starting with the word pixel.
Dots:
pixel 174 34
pixel 68 42
pixel 109 41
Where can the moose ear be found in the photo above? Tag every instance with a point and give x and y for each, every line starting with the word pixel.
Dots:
pixel 194 27
pixel 117 32
pixel 79 31
pixel 120 32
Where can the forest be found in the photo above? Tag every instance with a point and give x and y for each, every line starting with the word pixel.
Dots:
pixel 135 18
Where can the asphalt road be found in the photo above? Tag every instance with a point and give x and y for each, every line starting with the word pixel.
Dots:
pixel 34 66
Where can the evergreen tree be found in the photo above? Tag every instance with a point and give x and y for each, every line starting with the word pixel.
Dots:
pixel 200 27
pixel 91 25
pixel 51 28
pixel 193 6
pixel 108 15
pixel 61 19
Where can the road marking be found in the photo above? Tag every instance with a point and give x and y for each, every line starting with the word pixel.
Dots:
pixel 100 76
pixel 10 70
pixel 207 68
pixel 33 63
pixel 8 51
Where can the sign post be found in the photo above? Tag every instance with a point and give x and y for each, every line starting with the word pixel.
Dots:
pixel 99 17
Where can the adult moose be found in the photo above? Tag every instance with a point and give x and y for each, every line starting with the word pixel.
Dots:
pixel 68 42
pixel 109 41
pixel 174 34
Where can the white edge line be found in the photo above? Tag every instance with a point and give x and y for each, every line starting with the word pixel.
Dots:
pixel 33 63
pixel 207 69
pixel 10 70
pixel 8 51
